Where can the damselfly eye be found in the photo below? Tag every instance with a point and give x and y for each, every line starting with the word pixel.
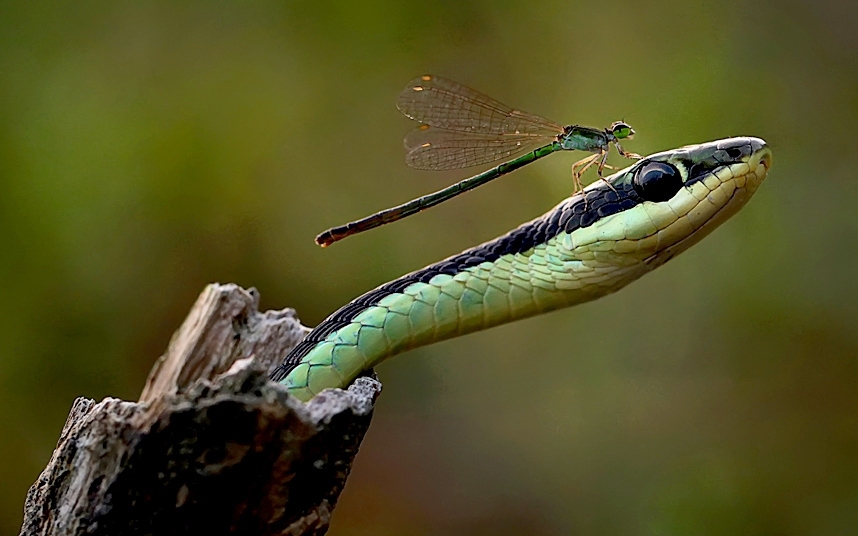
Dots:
pixel 622 130
pixel 657 181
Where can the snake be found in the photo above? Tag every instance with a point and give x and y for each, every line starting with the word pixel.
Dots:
pixel 591 244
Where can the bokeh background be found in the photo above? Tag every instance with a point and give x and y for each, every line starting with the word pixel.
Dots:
pixel 147 149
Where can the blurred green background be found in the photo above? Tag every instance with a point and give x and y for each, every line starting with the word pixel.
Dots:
pixel 147 149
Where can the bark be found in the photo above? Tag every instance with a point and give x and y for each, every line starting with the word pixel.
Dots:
pixel 212 446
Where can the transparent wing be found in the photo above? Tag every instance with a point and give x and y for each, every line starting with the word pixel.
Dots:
pixel 437 149
pixel 442 103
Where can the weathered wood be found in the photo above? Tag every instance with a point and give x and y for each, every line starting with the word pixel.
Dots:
pixel 212 446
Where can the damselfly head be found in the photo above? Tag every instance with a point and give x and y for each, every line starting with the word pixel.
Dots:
pixel 622 130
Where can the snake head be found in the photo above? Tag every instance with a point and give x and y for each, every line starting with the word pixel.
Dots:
pixel 665 202
pixel 689 191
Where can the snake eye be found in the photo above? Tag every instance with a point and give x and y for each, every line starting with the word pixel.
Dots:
pixel 657 181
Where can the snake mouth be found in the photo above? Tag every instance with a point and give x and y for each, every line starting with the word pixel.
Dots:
pixel 741 178
pixel 761 155
pixel 745 178
pixel 758 164
pixel 766 159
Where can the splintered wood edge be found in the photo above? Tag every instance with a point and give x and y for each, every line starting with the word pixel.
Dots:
pixel 220 355
pixel 223 327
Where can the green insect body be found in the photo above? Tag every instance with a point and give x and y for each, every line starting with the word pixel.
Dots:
pixel 593 140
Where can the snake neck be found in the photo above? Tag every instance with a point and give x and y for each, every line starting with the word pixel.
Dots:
pixel 533 269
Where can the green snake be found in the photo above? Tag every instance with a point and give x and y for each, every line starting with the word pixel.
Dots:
pixel 590 245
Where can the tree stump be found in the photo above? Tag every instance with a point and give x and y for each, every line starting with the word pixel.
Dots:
pixel 212 446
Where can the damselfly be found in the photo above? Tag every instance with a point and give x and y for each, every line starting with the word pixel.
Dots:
pixel 463 128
